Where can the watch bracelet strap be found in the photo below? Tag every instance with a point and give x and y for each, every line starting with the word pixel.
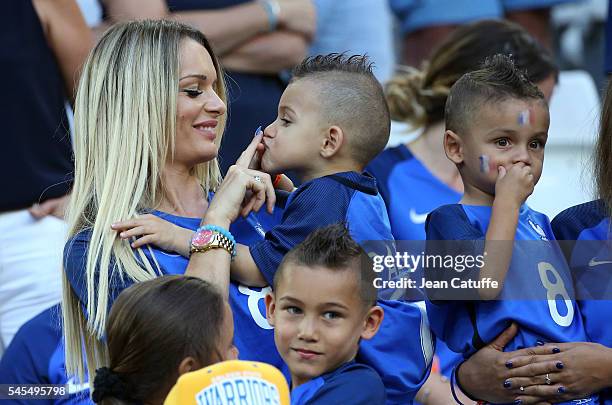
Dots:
pixel 224 243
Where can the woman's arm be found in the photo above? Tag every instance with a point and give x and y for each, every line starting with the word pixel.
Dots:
pixel 68 37
pixel 269 53
pixel 229 202
pixel 228 27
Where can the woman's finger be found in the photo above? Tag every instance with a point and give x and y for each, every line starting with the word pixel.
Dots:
pixel 267 194
pixel 145 240
pixel 130 233
pixel 536 368
pixel 529 400
pixel 247 155
pixel 552 393
pixel 505 337
pixel 127 224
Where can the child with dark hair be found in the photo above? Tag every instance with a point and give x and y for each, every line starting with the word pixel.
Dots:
pixel 496 129
pixel 332 120
pixel 319 319
pixel 158 330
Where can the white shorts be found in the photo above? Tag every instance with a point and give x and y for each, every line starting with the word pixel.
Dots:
pixel 30 268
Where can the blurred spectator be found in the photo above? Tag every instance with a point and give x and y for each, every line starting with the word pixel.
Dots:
pixel 424 24
pixel 42 46
pixel 255 40
pixel 356 27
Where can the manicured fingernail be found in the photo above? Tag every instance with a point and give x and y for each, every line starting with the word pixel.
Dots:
pixel 257 131
pixel 559 365
pixel 540 343
pixel 556 350
pixel 561 390
pixel 508 364
pixel 507 384
pixel 518 402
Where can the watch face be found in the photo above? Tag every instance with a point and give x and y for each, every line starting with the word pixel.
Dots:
pixel 202 238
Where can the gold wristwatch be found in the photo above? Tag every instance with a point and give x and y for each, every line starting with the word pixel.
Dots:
pixel 207 239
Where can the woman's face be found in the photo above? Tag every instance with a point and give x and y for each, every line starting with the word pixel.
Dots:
pixel 198 107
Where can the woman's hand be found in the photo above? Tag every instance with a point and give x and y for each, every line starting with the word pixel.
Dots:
pixel 574 370
pixel 242 191
pixel 482 376
pixel 150 229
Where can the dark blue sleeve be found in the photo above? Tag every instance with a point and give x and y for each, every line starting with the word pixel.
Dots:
pixel 306 212
pixel 449 222
pixel 75 260
pixel 26 359
pixel 358 385
pixel 569 223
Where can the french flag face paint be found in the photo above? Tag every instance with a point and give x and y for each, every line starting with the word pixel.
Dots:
pixel 484 163
pixel 524 118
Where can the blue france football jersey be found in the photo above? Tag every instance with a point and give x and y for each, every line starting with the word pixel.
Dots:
pixel 410 191
pixel 591 265
pixel 345 196
pixel 36 356
pixel 538 276
pixel 351 383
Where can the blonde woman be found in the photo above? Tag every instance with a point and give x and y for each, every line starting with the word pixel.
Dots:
pixel 149 117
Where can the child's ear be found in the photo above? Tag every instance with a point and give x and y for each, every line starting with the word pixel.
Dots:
pixel 453 146
pixel 372 322
pixel 270 308
pixel 334 138
pixel 188 364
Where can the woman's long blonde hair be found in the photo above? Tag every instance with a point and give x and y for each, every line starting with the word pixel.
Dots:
pixel 125 119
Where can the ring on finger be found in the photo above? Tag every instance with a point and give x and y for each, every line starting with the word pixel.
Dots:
pixel 257 179
pixel 548 380
pixel 521 388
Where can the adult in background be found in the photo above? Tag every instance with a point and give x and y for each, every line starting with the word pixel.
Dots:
pixel 255 42
pixel 425 24
pixel 42 46
pixel 356 27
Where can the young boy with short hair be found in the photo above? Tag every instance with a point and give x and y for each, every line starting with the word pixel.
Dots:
pixel 332 120
pixel 496 129
pixel 323 303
